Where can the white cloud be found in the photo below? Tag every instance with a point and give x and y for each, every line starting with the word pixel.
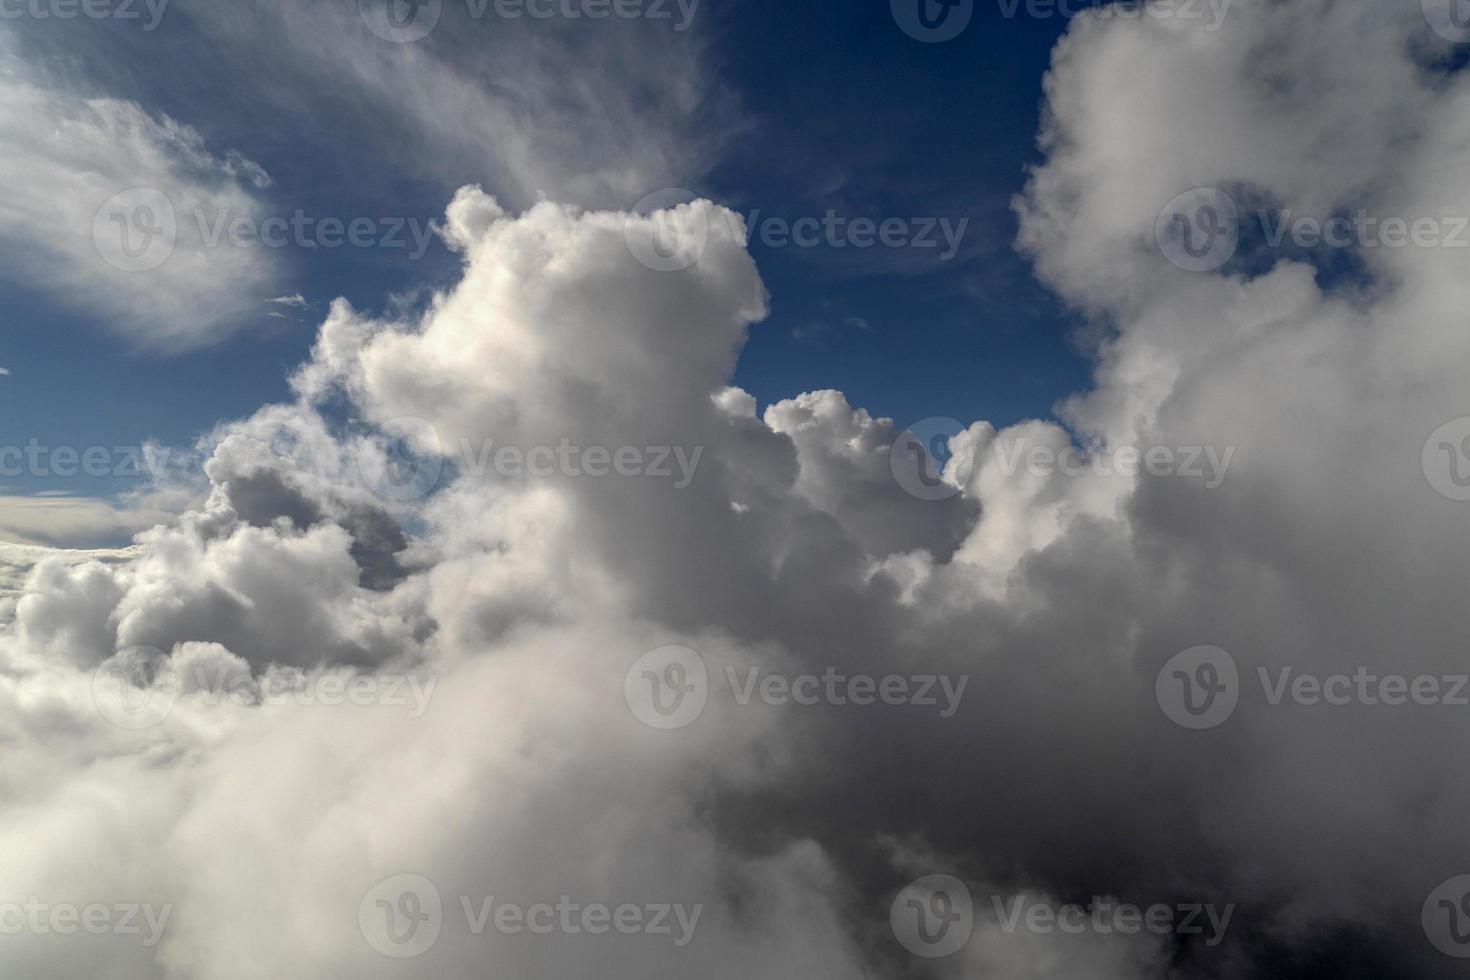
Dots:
pixel 111 208
pixel 62 520
pixel 514 102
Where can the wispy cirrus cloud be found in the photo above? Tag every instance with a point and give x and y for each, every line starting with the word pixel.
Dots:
pixel 109 211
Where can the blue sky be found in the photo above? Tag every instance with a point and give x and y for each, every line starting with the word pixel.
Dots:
pixel 805 109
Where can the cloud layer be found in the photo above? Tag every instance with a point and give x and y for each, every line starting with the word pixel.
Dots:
pixel 368 532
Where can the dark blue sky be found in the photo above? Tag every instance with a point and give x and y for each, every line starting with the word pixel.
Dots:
pixel 839 110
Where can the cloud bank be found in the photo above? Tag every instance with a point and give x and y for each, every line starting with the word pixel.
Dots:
pixel 364 534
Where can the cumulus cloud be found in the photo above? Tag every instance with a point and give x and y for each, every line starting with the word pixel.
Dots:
pixel 393 541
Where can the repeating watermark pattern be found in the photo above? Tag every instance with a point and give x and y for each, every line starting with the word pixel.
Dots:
pixel 34 917
pixel 933 917
pixel 1446 459
pixel 148 13
pixel 1201 230
pixel 67 462
pixel 406 21
pixel 666 235
pixel 138 230
pixel 1104 916
pixel 1446 917
pixel 414 457
pixel 403 917
pixel 669 688
pixel 1450 19
pixel 1201 688
pixel 138 688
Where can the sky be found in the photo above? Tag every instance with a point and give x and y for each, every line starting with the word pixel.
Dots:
pixel 797 111
pixel 924 490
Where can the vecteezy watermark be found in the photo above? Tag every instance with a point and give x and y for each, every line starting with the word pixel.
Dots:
pixel 135 688
pixel 941 235
pixel 1104 916
pixel 91 9
pixel 67 462
pixel 920 460
pixel 403 917
pixel 1201 688
pixel 669 688
pixel 1450 19
pixel 666 235
pixel 138 688
pixel 1446 917
pixel 924 466
pixel 1211 12
pixel 933 916
pixel 934 21
pixel 1446 459
pixel 329 689
pixel 37 918
pixel 405 21
pixel 1201 230
pixel 1205 463
pixel 411 464
pixel 138 229
pixel 1198 688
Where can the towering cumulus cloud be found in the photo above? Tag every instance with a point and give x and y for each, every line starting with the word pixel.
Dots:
pixel 522 644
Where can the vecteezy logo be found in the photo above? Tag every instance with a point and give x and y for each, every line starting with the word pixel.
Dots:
pixel 1450 19
pixel 1199 230
pixel 401 916
pixel 409 464
pixel 400 21
pixel 933 916
pixel 1446 917
pixel 667 688
pixel 919 455
pixel 665 233
pixel 932 21
pixel 135 230
pixel 1446 459
pixel 135 688
pixel 1199 687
